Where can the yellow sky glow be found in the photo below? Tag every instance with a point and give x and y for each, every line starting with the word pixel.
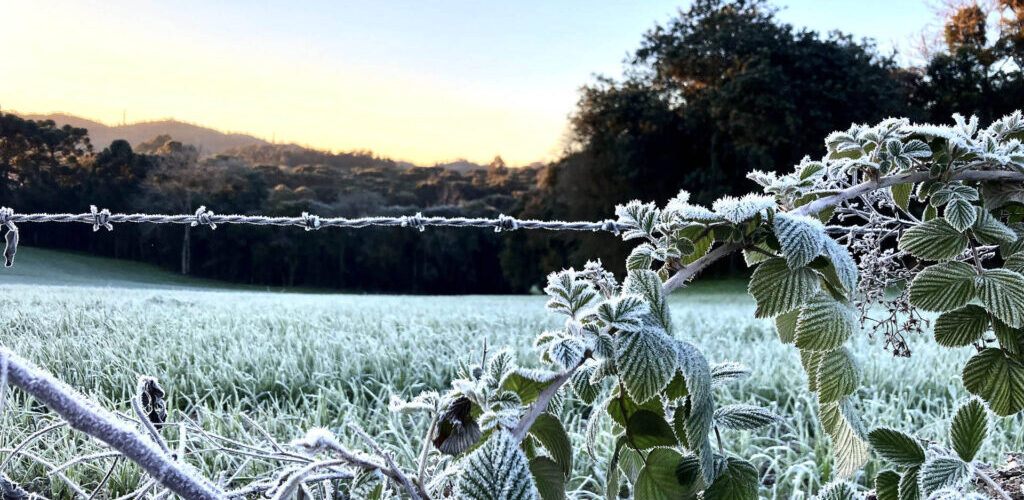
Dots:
pixel 68 59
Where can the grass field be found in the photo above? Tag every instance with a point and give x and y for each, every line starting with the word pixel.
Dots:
pixel 295 360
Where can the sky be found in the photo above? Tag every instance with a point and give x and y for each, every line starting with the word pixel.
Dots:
pixel 412 80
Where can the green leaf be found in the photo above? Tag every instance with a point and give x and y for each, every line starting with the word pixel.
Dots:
pixel 997 379
pixel 841 423
pixel 969 429
pixel 621 407
pixel 1002 292
pixel 728 371
pixel 658 479
pixel 647 429
pixel 887 485
pixel 581 386
pixel 988 230
pixel 785 325
pixel 701 239
pixel 960 214
pixel 909 490
pixel 737 482
pixel 548 477
pixel 824 323
pixel 646 360
pixel 527 384
pixel 838 375
pixel 901 195
pixel 802 238
pixel 1015 262
pixel 943 287
pixel 612 474
pixel 934 240
pixel 647 284
pixel 839 490
pixel 640 257
pixel 777 289
pixel 548 430
pixel 961 327
pixel 842 262
pixel 497 470
pixel 811 360
pixel 943 472
pixel 1010 339
pixel 898 448
pixel 624 312
pixel 745 417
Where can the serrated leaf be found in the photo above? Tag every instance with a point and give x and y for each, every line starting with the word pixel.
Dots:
pixel 624 312
pixel 1002 293
pixel 997 379
pixel 648 285
pixel 887 485
pixel 841 422
pixel 842 262
pixel 909 490
pixel 737 210
pixel 802 238
pixel 824 323
pixel 1015 262
pixel 527 384
pixel 897 447
pixel 990 231
pixel 548 477
pixel 745 417
pixel 548 431
pixel 961 327
pixel 811 360
pixel 702 240
pixel 785 326
pixel 1010 339
pixel 960 214
pixel 839 490
pixel 646 360
pixel 943 287
pixel 737 482
pixel 969 429
pixel 580 382
pixel 723 373
pixel 943 472
pixel 658 480
pixel 640 257
pixel 838 375
pixel 935 239
pixel 901 195
pixel 778 289
pixel 497 470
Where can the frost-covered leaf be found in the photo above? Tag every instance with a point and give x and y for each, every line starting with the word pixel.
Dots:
pixel 887 485
pixel 935 239
pixel 943 287
pixel 548 431
pixel 785 326
pixel 897 447
pixel 738 210
pixel 567 351
pixel 909 489
pixel 990 231
pixel 738 481
pixel 424 402
pixel 648 429
pixel 527 383
pixel 457 430
pixel 839 490
pixel 842 424
pixel 846 268
pixel 943 472
pixel 624 312
pixel 960 214
pixel 802 238
pixel 728 371
pixel 643 217
pixel 640 257
pixel 646 361
pixel 1002 292
pixel 497 470
pixel 569 295
pixel 580 383
pixel 745 417
pixel 961 327
pixel 1015 262
pixel 779 289
pixel 997 379
pixel 838 375
pixel 824 323
pixel 500 365
pixel 969 429
pixel 648 285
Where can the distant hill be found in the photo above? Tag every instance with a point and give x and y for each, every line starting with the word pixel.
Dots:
pixel 207 140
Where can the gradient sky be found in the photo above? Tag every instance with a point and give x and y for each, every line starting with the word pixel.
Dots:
pixel 413 80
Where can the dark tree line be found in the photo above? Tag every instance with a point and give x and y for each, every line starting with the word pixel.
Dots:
pixel 722 89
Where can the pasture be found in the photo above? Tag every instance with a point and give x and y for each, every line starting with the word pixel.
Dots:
pixel 296 360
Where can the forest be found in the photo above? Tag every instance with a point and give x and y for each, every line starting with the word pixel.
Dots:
pixel 722 89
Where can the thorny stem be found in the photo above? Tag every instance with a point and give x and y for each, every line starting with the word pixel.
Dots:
pixel 422 468
pixel 998 490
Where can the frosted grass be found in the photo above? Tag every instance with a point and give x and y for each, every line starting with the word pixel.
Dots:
pixel 296 361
